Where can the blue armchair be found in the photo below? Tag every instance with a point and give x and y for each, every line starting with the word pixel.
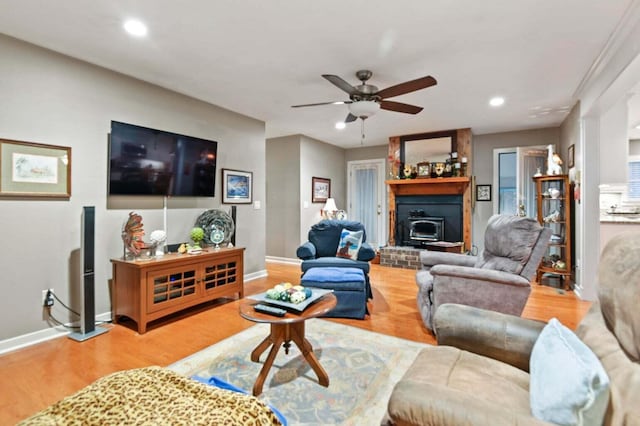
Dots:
pixel 322 245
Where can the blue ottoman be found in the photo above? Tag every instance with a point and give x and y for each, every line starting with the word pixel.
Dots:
pixel 348 284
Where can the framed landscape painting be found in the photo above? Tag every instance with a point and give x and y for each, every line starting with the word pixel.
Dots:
pixel 34 170
pixel 236 186
pixel 320 189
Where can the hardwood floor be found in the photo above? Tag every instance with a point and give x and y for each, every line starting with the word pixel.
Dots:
pixel 37 376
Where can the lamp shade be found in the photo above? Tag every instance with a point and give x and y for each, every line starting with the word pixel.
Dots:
pixel 364 109
pixel 330 205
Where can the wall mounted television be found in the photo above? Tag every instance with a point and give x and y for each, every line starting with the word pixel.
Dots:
pixel 144 161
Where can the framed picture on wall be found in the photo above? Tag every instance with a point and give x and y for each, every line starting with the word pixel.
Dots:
pixel 320 189
pixel 236 186
pixel 34 170
pixel 571 156
pixel 483 192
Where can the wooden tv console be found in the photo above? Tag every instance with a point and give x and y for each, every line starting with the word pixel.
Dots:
pixel 146 290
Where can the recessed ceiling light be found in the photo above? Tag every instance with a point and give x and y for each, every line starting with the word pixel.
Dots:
pixel 340 125
pixel 496 101
pixel 135 27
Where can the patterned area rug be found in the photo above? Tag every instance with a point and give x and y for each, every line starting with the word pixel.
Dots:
pixel 362 366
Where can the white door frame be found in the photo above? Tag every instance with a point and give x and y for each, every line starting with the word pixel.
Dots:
pixel 383 232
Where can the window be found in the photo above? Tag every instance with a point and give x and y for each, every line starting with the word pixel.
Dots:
pixel 633 189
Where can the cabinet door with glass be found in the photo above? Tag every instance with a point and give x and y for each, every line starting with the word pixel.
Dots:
pixel 553 199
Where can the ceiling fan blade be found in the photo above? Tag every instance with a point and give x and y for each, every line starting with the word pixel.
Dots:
pixel 350 118
pixel 338 81
pixel 400 107
pixel 321 103
pixel 407 86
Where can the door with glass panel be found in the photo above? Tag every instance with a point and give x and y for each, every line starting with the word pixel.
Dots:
pixel 512 178
pixel 366 201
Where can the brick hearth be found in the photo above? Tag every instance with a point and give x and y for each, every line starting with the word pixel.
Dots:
pixel 400 257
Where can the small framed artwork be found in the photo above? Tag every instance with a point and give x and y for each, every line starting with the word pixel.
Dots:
pixel 320 189
pixel 237 186
pixel 571 156
pixel 483 192
pixel 424 170
pixel 34 170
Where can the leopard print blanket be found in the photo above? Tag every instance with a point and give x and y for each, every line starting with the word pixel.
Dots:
pixel 154 396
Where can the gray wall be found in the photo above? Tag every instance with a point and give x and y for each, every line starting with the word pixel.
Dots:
pixel 367 153
pixel 614 144
pixel 570 135
pixel 292 161
pixel 52 99
pixel 320 159
pixel 283 195
pixel 483 146
pixel 634 147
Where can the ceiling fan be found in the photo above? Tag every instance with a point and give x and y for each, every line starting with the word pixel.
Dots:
pixel 365 99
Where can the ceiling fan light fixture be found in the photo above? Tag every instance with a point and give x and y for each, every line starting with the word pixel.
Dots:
pixel 364 109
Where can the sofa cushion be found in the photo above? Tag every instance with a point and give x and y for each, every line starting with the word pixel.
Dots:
pixel 349 244
pixel 333 275
pixel 323 262
pixel 486 391
pixel 568 384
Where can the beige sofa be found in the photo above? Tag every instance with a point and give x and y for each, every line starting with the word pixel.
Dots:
pixel 479 373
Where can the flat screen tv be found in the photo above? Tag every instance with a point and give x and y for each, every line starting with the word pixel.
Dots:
pixel 145 161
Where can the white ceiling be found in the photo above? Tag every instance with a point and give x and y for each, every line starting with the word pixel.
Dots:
pixel 259 57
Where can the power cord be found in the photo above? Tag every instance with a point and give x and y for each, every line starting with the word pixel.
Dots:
pixel 49 303
pixel 62 303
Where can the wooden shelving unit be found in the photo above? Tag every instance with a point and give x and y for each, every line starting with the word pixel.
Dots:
pixel 146 290
pixel 554 212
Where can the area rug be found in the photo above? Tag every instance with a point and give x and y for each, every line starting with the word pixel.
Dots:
pixel 363 368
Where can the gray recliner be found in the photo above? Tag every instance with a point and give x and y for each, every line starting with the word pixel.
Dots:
pixel 498 280
pixel 479 373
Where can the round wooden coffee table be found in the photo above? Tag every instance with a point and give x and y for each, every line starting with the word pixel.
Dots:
pixel 284 330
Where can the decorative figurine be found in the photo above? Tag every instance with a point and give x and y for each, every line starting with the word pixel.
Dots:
pixel 158 237
pixel 132 233
pixel 554 162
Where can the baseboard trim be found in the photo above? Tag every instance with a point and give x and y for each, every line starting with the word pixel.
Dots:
pixel 256 275
pixel 29 339
pixel 285 260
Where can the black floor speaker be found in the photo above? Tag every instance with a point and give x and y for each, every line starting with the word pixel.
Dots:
pixel 88 327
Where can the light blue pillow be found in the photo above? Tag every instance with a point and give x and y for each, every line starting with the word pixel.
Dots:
pixel 568 385
pixel 349 245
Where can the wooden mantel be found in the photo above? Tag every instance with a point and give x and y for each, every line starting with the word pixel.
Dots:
pixel 429 186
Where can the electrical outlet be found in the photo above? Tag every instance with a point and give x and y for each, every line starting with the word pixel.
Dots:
pixel 47 302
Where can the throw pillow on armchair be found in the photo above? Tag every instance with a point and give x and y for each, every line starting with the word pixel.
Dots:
pixel 349 245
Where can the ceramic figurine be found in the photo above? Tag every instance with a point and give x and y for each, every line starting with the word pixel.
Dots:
pixel 554 162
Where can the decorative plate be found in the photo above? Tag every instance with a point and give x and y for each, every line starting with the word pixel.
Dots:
pixel 217 236
pixel 216 219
